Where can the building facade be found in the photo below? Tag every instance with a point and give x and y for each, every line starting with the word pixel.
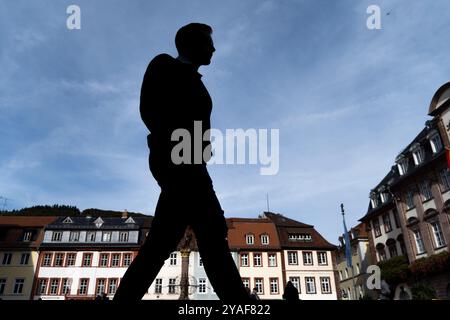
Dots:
pixel 409 209
pixel 353 279
pixel 20 238
pixel 85 257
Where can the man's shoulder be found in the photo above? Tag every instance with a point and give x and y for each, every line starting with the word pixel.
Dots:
pixel 162 59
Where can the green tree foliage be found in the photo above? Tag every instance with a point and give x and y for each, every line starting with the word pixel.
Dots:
pixel 435 264
pixel 423 291
pixel 395 270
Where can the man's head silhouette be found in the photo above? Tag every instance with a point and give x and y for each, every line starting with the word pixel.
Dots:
pixel 194 43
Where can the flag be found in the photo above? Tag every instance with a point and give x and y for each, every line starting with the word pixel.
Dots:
pixel 348 251
pixel 447 155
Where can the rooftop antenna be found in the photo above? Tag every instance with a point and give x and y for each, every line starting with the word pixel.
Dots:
pixel 267 200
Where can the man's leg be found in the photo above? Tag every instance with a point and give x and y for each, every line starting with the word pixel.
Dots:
pixel 167 228
pixel 210 230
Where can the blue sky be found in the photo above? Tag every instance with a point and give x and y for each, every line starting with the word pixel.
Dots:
pixel 346 99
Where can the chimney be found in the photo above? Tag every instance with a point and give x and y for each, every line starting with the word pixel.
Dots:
pixel 125 214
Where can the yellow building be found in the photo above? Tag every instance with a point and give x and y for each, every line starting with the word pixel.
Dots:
pixel 20 238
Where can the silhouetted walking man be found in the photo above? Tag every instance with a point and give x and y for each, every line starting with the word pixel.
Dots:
pixel 172 97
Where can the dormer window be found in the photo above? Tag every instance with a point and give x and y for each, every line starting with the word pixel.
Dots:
pixel 68 220
pixel 130 220
pixel 265 239
pixel 249 239
pixel 27 236
pixel 435 141
pixel 299 237
pixel 98 222
pixel 384 197
pixel 402 164
pixel 418 153
pixel 374 201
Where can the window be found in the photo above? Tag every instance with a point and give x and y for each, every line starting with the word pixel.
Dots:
pixel 392 249
pixel 257 261
pixel 244 259
pixel 310 285
pixel 158 286
pixel 172 286
pixel 70 259
pixel 296 282
pixel 445 177
pixel 83 286
pixel 384 197
pixel 127 258
pixel 387 223
pixel 200 262
pixel 54 287
pixel 2 286
pixel 325 285
pixel 87 259
pixel 18 285
pixel 418 155
pixel 299 237
pixel 346 273
pixel 307 258
pixel 272 259
pixel 322 258
pixel 115 259
pixel 74 236
pixel 259 285
pixel 292 257
pixel 425 190
pixel 360 290
pixel 66 284
pixel 341 275
pixel 374 201
pixel 123 236
pixel 6 259
pixel 173 259
pixel 438 236
pixel 59 260
pixel 56 236
pixel 358 268
pixel 90 236
pixel 409 199
pixel 395 214
pixel 419 241
pixel 27 235
pixel 100 286
pixel 47 261
pixel 265 239
pixel 382 254
pixel 436 144
pixel 112 286
pixel 249 239
pixel 273 285
pixel 246 282
pixel 201 285
pixel 24 258
pixel 106 236
pixel 104 257
pixel 402 165
pixel 42 287
pixel 376 227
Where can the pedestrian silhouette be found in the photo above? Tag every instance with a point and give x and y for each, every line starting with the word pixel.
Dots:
pixel 290 292
pixel 172 97
pixel 254 294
